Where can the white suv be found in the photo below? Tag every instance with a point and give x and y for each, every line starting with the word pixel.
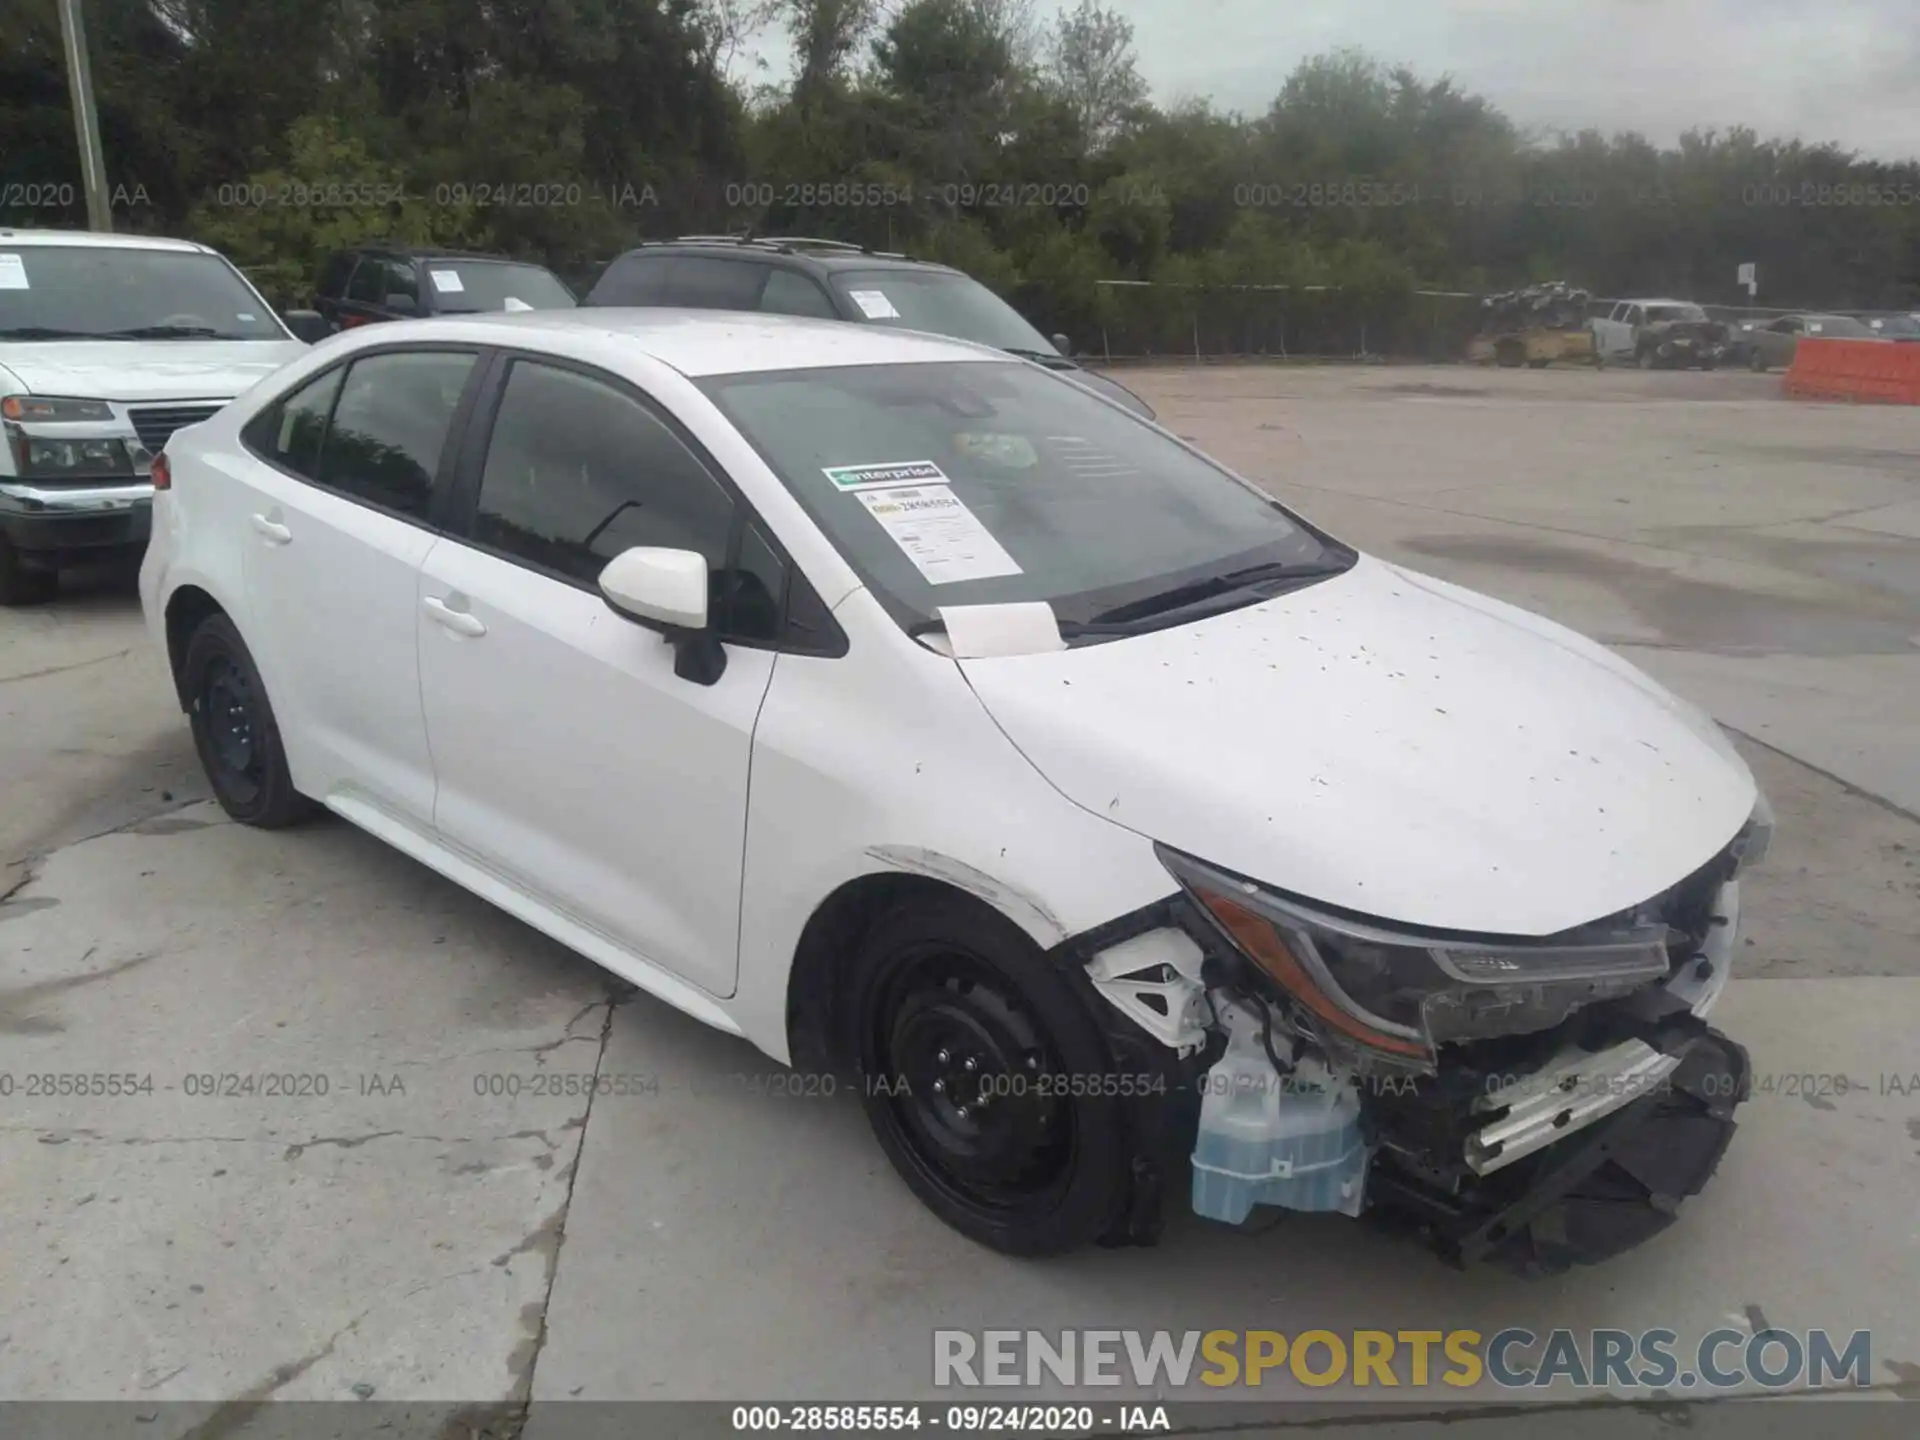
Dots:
pixel 885 698
pixel 108 344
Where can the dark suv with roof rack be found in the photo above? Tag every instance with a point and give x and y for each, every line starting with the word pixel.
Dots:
pixel 835 280
pixel 391 282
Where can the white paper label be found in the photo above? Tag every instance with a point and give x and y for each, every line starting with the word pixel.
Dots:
pixel 874 304
pixel 13 273
pixel 447 282
pixel 945 540
pixel 884 473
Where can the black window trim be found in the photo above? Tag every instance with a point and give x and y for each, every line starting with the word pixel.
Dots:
pixel 457 511
pixel 444 476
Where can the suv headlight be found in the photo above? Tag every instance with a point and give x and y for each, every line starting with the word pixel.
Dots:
pixel 57 409
pixel 60 457
pixel 1380 997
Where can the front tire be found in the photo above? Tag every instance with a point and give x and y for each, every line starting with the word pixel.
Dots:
pixel 985 1078
pixel 1649 360
pixel 234 729
pixel 20 584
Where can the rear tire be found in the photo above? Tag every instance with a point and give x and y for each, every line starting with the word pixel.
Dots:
pixel 22 584
pixel 985 1078
pixel 1648 360
pixel 234 729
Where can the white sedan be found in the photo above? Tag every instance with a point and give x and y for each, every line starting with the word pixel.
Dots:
pixel 931 721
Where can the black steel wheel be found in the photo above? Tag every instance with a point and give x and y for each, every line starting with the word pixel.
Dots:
pixel 985 1079
pixel 234 729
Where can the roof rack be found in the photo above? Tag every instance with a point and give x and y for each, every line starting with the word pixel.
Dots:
pixel 785 244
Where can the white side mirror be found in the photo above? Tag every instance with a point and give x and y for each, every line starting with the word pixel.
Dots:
pixel 658 587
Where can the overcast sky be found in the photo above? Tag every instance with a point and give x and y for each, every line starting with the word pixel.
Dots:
pixel 1843 70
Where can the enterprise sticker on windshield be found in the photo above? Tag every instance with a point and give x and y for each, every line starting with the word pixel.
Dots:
pixel 13 273
pixel 945 541
pixel 890 472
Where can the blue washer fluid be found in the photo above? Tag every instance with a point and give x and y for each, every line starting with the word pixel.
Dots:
pixel 1269 1139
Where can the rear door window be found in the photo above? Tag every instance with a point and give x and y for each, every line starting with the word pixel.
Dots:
pixel 790 293
pixel 710 283
pixel 390 427
pixel 291 432
pixel 632 280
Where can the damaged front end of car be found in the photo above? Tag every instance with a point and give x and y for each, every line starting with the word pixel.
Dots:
pixel 1533 1103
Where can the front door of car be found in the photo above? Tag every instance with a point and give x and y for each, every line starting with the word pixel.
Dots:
pixel 337 530
pixel 1610 333
pixel 570 758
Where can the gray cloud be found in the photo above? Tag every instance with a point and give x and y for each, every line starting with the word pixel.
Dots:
pixel 1841 70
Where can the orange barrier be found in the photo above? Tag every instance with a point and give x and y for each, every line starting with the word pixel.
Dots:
pixel 1877 371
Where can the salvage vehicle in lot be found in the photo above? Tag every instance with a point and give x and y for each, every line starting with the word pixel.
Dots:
pixel 1659 334
pixel 1763 345
pixel 374 283
pixel 837 280
pixel 1115 828
pixel 108 344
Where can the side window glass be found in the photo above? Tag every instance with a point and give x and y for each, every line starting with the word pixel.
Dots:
pixel 401 281
pixel 290 433
pixel 636 280
pixel 391 425
pixel 577 471
pixel 368 284
pixel 788 293
pixel 753 598
pixel 714 284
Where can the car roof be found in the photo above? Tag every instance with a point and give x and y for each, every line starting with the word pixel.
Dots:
pixel 1663 302
pixel 101 240
pixel 704 342
pixel 827 254
pixel 429 252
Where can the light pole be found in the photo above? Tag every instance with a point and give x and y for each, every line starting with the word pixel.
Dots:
pixel 86 122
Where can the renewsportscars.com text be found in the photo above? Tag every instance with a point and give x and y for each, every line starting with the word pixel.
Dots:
pixel 1373 1359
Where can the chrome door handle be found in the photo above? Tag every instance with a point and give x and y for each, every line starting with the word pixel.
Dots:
pixel 274 532
pixel 458 621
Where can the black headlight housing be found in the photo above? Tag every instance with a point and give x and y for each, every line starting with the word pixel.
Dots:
pixel 1383 999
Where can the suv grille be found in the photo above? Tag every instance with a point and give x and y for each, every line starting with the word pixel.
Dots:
pixel 155 423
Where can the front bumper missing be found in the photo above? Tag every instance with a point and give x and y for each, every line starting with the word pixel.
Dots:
pixel 1570 1093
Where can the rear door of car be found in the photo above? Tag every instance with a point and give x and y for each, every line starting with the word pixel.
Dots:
pixel 342 474
pixel 569 755
pixel 332 289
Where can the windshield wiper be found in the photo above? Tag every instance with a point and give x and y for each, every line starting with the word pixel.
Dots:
pixel 1043 357
pixel 1260 581
pixel 168 332
pixel 49 332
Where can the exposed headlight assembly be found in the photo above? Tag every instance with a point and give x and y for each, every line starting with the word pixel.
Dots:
pixel 37 455
pixel 1381 998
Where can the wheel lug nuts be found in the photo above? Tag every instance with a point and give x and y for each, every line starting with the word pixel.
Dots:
pixel 970 1066
pixel 939 1087
pixel 963 1112
pixel 946 1057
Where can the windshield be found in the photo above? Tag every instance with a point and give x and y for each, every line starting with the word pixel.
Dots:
pixel 1842 325
pixel 1896 325
pixel 970 483
pixel 57 292
pixel 940 302
pixel 1675 312
pixel 462 287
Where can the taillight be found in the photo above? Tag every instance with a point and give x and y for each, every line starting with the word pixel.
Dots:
pixel 162 473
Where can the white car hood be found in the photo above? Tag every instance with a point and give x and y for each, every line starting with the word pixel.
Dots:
pixel 1390 744
pixel 142 370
